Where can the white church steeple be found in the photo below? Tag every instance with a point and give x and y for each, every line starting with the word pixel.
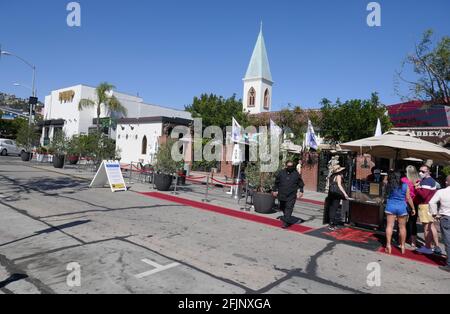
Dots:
pixel 258 80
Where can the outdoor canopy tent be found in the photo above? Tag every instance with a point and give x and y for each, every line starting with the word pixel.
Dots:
pixel 395 146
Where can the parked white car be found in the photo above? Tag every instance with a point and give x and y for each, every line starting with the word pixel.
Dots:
pixel 9 147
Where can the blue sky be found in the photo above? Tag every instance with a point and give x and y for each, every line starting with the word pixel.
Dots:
pixel 169 51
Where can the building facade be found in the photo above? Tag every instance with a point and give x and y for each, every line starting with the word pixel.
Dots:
pixel 61 112
pixel 425 121
pixel 138 139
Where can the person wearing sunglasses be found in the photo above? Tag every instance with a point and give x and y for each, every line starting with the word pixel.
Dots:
pixel 426 190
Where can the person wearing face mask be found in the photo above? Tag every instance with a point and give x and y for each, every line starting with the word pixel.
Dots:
pixel 426 189
pixel 288 188
pixel 442 197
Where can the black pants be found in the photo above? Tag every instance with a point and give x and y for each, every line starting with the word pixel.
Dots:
pixel 333 210
pixel 411 227
pixel 287 207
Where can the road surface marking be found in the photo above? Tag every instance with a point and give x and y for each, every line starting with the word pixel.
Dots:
pixel 158 268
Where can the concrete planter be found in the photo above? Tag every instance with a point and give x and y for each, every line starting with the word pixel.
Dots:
pixel 26 156
pixel 58 161
pixel 264 203
pixel 163 182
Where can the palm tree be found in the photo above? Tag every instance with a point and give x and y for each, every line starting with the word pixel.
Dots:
pixel 106 99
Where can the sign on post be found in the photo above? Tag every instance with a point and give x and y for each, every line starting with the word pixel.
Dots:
pixel 110 174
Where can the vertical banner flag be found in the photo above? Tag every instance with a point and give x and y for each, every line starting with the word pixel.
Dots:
pixel 311 138
pixel 275 130
pixel 379 131
pixel 236 132
pixel 237 157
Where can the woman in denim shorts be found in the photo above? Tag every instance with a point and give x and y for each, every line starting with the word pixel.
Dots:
pixel 398 198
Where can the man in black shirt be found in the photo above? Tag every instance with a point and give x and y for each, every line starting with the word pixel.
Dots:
pixel 288 188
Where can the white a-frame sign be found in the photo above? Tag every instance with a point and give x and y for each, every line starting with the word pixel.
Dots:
pixel 110 174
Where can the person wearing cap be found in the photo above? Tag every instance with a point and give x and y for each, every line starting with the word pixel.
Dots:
pixel 336 194
pixel 426 189
pixel 375 175
pixel 288 188
pixel 442 197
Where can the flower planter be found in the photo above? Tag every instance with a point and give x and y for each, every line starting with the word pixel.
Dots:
pixel 26 156
pixel 58 161
pixel 163 182
pixel 42 158
pixel 73 160
pixel 264 203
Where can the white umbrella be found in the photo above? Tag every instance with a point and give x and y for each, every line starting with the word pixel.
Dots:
pixel 379 131
pixel 392 146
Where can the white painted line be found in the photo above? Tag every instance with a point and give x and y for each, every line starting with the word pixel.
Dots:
pixel 158 268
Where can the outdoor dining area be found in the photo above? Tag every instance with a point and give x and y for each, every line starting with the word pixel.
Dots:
pixel 367 204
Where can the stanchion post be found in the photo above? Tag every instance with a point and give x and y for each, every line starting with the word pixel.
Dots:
pixel 246 197
pixel 131 173
pixel 153 179
pixel 206 193
pixel 238 183
pixel 176 185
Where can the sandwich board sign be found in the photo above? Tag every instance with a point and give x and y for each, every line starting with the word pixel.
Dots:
pixel 110 174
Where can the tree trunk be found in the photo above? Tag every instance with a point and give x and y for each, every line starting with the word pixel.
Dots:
pixel 98 119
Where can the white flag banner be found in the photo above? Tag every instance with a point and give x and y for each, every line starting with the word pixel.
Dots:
pixel 311 138
pixel 275 130
pixel 238 155
pixel 379 131
pixel 236 132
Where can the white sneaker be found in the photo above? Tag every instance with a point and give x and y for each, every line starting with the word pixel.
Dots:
pixel 425 250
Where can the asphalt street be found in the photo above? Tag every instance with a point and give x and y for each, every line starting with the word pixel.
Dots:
pixel 130 243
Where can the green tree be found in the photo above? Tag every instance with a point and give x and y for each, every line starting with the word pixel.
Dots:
pixel 355 119
pixel 104 99
pixel 28 136
pixel 217 110
pixel 432 68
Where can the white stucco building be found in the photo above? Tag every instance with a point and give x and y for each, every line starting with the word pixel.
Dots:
pixel 138 139
pixel 61 111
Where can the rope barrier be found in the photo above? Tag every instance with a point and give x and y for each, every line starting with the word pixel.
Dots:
pixel 228 184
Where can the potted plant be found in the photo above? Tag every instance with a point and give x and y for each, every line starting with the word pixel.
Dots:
pixel 262 185
pixel 74 150
pixel 60 146
pixel 27 138
pixel 50 152
pixel 165 167
pixel 41 154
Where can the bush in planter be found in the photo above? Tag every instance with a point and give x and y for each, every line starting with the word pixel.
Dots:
pixel 74 150
pixel 262 184
pixel 165 166
pixel 27 138
pixel 97 147
pixel 59 145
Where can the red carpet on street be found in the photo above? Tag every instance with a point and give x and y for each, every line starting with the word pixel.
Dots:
pixel 349 236
pixel 226 211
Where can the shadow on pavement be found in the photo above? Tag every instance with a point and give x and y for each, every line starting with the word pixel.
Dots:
pixel 50 230
pixel 11 279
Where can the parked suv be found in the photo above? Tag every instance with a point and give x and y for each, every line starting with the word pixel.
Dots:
pixel 9 147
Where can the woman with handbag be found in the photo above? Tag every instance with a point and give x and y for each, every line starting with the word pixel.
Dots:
pixel 336 194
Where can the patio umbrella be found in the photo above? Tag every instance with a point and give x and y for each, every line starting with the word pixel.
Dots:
pixel 394 146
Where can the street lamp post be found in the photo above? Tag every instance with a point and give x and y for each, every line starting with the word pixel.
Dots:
pixel 33 88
